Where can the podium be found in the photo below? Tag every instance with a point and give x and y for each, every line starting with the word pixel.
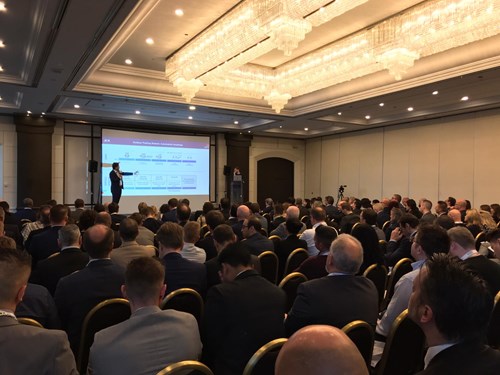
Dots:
pixel 237 189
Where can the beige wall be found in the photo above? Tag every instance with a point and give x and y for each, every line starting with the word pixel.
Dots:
pixel 8 140
pixel 434 159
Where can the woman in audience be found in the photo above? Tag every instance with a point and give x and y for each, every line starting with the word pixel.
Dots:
pixel 413 209
pixel 395 216
pixel 487 221
pixel 473 222
pixel 495 212
pixel 372 253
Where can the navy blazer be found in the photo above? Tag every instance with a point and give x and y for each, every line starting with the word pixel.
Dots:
pixel 183 273
pixel 44 244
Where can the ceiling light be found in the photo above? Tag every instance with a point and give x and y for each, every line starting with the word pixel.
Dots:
pixel 435 92
pixel 249 131
pixel 464 98
pixel 192 108
pixel 2 6
pixel 410 109
pixel 281 126
pixel 28 112
pixel 381 104
pixel 0 98
pixel 190 117
pixel 137 112
pixel 236 122
pixel 43 113
pixel 217 60
pixel 2 44
pixel 150 41
pixel 367 117
pixel 179 12
pixel 1 68
pixel 76 106
pixel 339 113
pixel 306 129
pixel 128 62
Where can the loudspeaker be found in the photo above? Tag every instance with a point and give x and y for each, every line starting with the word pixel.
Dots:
pixel 227 170
pixel 93 166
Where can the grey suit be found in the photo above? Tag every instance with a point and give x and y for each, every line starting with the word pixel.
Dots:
pixel 33 350
pixel 130 250
pixel 145 237
pixel 145 343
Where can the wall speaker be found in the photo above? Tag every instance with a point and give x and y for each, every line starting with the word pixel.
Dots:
pixel 93 164
pixel 227 170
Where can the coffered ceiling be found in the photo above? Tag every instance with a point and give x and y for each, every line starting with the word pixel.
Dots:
pixel 67 59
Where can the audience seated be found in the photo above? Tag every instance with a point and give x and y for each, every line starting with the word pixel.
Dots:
pixel 76 213
pixel 27 212
pixel 318 217
pixel 171 214
pixel 289 244
pixel 427 216
pixel 223 236
pixel 104 218
pixel 241 314
pixel 372 254
pixel 399 245
pixel 150 221
pixel 183 214
pixel 255 242
pixel 340 297
pixel 43 221
pixel 494 240
pixel 214 218
pixel 369 216
pixel 280 231
pixel 145 236
pixel 453 307
pixel 189 250
pixel 319 350
pixel 349 218
pixel 242 213
pixel 151 338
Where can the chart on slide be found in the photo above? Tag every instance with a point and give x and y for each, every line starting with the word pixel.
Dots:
pixel 162 169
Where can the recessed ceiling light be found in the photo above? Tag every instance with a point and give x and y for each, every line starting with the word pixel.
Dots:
pixel 2 44
pixel 128 62
pixel 410 109
pixel 381 104
pixel 339 113
pixel 190 117
pixel 0 98
pixel 464 98
pixel 306 129
pixel 150 41
pixel 368 117
pixel 179 12
pixel 192 107
pixel 1 68
pixel 76 106
pixel 281 126
pixel 249 131
pixel 236 122
pixel 2 6
pixel 137 112
pixel 29 112
pixel 43 113
pixel 435 92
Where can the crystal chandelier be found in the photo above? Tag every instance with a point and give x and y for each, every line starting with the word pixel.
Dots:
pixel 219 59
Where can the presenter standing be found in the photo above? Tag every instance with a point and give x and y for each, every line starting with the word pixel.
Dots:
pixel 116 177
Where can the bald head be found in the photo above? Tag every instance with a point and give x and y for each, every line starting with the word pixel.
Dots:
pixel 98 241
pixel 320 350
pixel 346 255
pixel 455 215
pixel 243 212
pixel 292 212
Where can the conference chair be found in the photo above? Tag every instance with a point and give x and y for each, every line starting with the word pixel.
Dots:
pixel 481 237
pixel 294 260
pixel 494 327
pixel 289 285
pixel 204 230
pixel 264 359
pixel 386 225
pixel 401 268
pixel 404 349
pixel 363 336
pixel 186 300
pixel 382 244
pixel 183 367
pixel 103 315
pixel 30 322
pixel 378 274
pixel 276 240
pixel 269 266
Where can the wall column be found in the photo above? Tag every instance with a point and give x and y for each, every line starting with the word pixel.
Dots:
pixel 238 155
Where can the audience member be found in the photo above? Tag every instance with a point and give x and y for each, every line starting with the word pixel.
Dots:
pixel 427 216
pixel 289 244
pixel 171 214
pixel 214 218
pixel 372 253
pixel 348 219
pixel 145 236
pixel 441 208
pixel 369 216
pixel 456 216
pixel 41 223
pixel 130 249
pixel 318 217
pixel 26 212
pixel 280 231
pixel 242 213
pixel 255 242
pixel 183 214
pixel 223 236
pixel 399 245
pixel 150 221
pixel 314 267
pixel 494 240
pixel 79 208
pixel 189 250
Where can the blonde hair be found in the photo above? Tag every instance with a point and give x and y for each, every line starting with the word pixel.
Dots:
pixel 487 220
pixel 472 217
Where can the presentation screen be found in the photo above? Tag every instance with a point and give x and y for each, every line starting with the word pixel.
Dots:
pixel 162 166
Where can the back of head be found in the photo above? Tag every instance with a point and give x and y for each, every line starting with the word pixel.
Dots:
pixel 347 254
pixel 370 216
pixel 433 239
pixel 214 218
pixel 318 214
pixel 455 215
pixel 427 204
pixel 129 230
pixel 254 207
pixel 463 237
pixel 329 199
pixel 235 255
pixel 170 235
pixel 137 217
pixel 223 233
pixel 254 222
pixel 144 279
pixel 103 218
pixel 185 201
pixel 7 242
pixel 183 212
pixel 173 202
pixel 99 207
pixel 207 207
pixel 113 207
pixel 292 211
pixel 15 268
pixel 225 203
pixel 191 231
pixel 325 235
pixel 79 203
pixel 58 214
pixel 460 301
pixel 445 222
pixel 493 235
pixel 365 234
pixel 28 202
pixel 87 219
pixel 243 212
pixel 319 350
pixel 293 225
pixel 409 219
pixel 69 235
pixel 98 241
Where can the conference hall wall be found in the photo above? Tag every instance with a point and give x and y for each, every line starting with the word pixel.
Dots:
pixel 455 155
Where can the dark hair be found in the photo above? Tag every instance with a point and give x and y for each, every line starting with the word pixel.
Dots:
pixel 325 235
pixel 223 233
pixel 366 203
pixel 370 216
pixel 318 214
pixel 173 202
pixel 207 207
pixel 58 213
pixel 433 239
pixel 372 253
pixel 185 201
pixel 278 209
pixel 183 212
pixel 114 165
pixel 113 207
pixel 99 207
pixel 409 219
pixel 443 206
pixel 452 201
pixel 87 219
pixel 225 203
pixel 234 209
pixel 254 222
pixel 445 222
pixel 293 225
pixel 398 197
pixel 494 235
pixel 460 301
pixel 144 278
pixel 329 199
pixel 214 218
pixel 100 248
pixel 254 207
pixel 129 229
pixel 235 254
pixel 137 217
pixel 15 266
pixel 79 203
pixel 164 208
pixel 170 235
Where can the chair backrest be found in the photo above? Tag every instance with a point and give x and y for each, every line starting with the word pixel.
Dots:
pixel 30 322
pixel 103 315
pixel 186 300
pixel 363 336
pixel 276 240
pixel 494 327
pixel 404 348
pixel 269 266
pixel 264 359
pixel 289 284
pixel 481 236
pixel 378 274
pixel 263 232
pixel 401 268
pixel 295 259
pixel 386 225
pixel 382 244
pixel 204 230
pixel 183 366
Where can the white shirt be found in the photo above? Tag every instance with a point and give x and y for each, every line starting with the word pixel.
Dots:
pixel 193 253
pixel 308 236
pixel 434 351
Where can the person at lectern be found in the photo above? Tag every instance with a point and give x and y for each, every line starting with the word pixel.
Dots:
pixel 116 177
pixel 236 171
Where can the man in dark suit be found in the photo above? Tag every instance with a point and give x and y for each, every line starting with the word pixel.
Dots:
pixel 183 214
pixel 67 261
pixel 27 349
pixel 150 221
pixel 213 219
pixel 116 217
pixel 242 213
pixel 27 212
pixel 79 208
pixel 254 240
pixel 349 218
pixel 171 215
pixel 78 293
pixel 399 245
pixel 241 314
pixel 452 307
pixel 340 297
pixel 314 267
pixel 45 243
pixel 179 272
pixel 292 242
pixel 116 177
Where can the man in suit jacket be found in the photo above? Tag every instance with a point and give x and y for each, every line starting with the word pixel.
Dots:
pixel 349 218
pixel 242 213
pixel 314 267
pixel 452 307
pixel 116 218
pixel 45 243
pixel 291 212
pixel 68 260
pixel 340 297
pixel 171 215
pixel 145 236
pixel 179 272
pixel 27 349
pixel 399 245
pixel 78 293
pixel 254 240
pixel 79 208
pixel 292 242
pixel 318 217
pixel 214 219
pixel 135 345
pixel 241 314
pixel 116 178
pixel 129 249
pixel 150 222
pixel 27 212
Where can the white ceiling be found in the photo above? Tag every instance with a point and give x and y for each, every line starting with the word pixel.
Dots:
pixel 59 53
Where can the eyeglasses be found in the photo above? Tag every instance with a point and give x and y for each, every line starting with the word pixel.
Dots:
pixel 244 226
